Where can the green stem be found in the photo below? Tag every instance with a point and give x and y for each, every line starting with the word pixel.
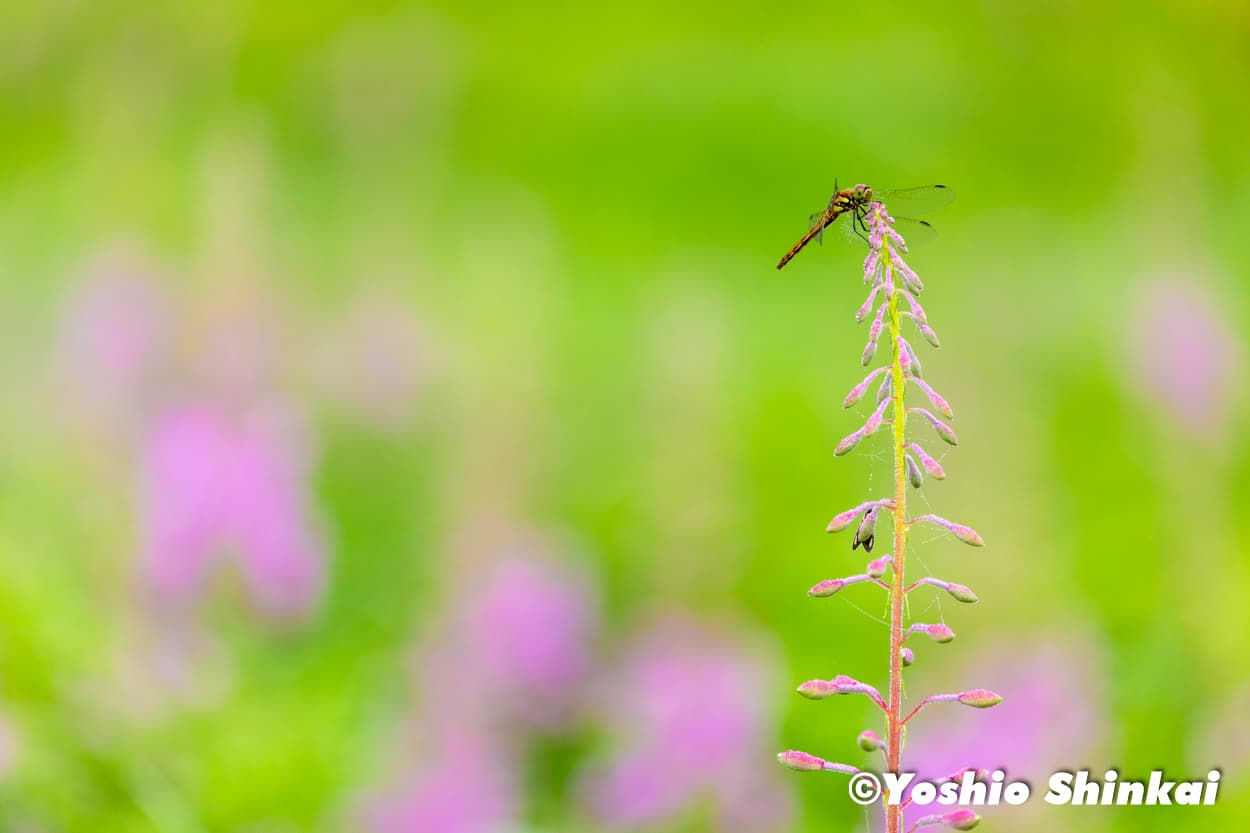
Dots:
pixel 894 723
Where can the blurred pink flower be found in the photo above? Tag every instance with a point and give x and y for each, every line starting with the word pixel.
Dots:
pixel 517 645
pixel 1052 716
pixel 687 706
pixel 466 790
pixel 529 622
pixel 218 483
pixel 512 657
pixel 1185 352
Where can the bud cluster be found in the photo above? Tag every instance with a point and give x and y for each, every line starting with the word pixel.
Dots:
pixel 892 301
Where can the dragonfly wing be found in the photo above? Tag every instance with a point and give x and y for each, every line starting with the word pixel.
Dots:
pixel 912 201
pixel 849 229
pixel 813 221
pixel 915 231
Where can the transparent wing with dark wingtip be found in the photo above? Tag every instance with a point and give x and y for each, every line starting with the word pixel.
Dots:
pixel 912 201
pixel 914 232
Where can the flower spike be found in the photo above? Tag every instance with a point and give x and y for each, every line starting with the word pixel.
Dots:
pixel 891 301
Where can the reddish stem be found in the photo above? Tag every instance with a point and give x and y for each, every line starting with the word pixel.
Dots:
pixel 894 721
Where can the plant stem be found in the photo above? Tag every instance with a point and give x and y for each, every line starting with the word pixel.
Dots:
pixel 894 723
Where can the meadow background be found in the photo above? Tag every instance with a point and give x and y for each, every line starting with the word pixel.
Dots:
pixel 405 428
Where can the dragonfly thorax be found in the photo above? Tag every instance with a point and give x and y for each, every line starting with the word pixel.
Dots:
pixel 853 199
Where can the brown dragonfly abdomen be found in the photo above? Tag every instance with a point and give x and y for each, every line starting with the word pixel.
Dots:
pixel 828 218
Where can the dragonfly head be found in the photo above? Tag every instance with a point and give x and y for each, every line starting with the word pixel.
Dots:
pixel 861 194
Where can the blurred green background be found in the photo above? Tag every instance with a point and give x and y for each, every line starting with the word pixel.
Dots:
pixel 405 428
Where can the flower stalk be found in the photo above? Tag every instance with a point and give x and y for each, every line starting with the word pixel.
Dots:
pixel 893 282
pixel 898 589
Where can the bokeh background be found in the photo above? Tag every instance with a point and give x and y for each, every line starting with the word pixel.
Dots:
pixel 405 428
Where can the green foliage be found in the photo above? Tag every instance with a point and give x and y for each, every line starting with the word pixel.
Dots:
pixel 544 184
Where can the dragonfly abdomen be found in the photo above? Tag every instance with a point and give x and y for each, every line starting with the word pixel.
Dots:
pixel 829 217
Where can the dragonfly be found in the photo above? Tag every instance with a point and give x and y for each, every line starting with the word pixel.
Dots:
pixel 855 202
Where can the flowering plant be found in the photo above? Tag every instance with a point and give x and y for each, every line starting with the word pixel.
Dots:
pixel 892 300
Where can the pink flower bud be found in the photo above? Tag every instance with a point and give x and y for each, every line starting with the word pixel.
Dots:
pixel 961 819
pixel 929 335
pixel 867 306
pixel 869 741
pixel 943 430
pixel 908 656
pixel 958 592
pixel 876 568
pixel 826 588
pixel 899 244
pixel 961 593
pixel 931 466
pixel 801 761
pixel 914 475
pixel 910 279
pixel 980 698
pixel 870 266
pixel 964 533
pixel 913 361
pixel 857 392
pixel 849 685
pixel 870 350
pixel 917 311
pixel 878 323
pixel 842 520
pixel 848 442
pixel 939 632
pixel 818 689
pixel 886 388
pixel 939 403
pixel 830 586
pixel 874 421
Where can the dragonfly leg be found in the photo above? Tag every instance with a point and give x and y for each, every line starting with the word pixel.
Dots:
pixel 858 225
